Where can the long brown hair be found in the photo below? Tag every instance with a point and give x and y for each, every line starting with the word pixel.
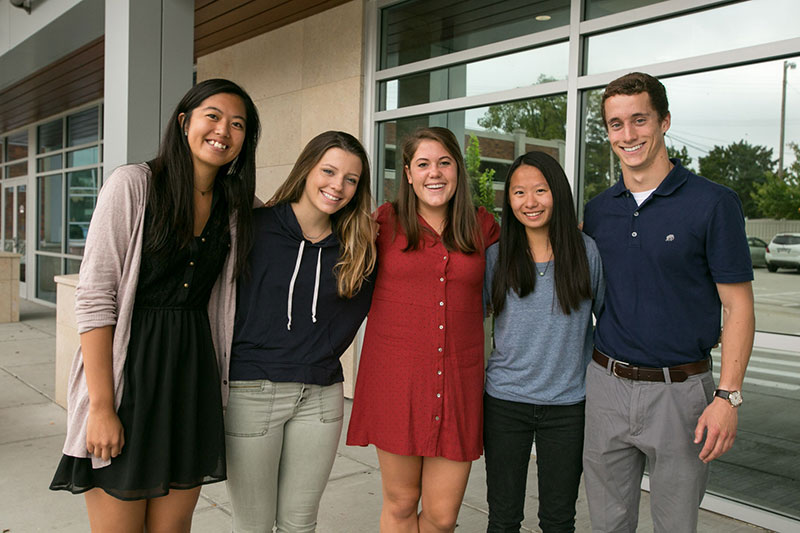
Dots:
pixel 461 224
pixel 353 224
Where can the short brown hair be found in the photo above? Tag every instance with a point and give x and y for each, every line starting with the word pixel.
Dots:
pixel 636 83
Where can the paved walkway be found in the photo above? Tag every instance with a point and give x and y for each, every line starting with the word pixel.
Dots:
pixel 32 432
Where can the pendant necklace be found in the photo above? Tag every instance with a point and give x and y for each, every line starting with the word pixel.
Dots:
pixel 547 265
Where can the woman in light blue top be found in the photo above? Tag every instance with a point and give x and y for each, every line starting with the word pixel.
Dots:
pixel 544 279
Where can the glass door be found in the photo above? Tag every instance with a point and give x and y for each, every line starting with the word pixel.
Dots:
pixel 14 205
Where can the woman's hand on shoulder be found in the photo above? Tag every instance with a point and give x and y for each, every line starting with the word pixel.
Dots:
pixel 105 436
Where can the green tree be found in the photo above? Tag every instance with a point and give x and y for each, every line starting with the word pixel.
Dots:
pixel 780 198
pixel 542 118
pixel 741 166
pixel 682 155
pixel 480 182
pixel 600 167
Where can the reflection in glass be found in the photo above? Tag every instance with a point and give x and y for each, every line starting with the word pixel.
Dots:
pixel 600 8
pixel 49 137
pixel 17 170
pixel 17 146
pixel 492 136
pixel 50 213
pixel 72 266
pixel 420 29
pixel 8 219
pixel 46 269
pixel 522 69
pixel 2 151
pixel 82 127
pixel 694 34
pixel 21 235
pixel 82 198
pixel 79 158
pixel 45 164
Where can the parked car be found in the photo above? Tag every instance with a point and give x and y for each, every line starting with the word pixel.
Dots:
pixel 783 251
pixel 758 249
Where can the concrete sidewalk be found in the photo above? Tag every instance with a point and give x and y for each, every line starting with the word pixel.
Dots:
pixel 32 430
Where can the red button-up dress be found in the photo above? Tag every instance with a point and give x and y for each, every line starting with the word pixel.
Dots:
pixel 419 389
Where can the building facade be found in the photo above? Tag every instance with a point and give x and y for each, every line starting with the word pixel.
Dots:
pixel 86 85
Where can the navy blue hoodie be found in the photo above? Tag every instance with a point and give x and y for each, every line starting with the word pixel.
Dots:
pixel 291 325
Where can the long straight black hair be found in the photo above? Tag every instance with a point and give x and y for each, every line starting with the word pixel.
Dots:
pixel 170 197
pixel 515 269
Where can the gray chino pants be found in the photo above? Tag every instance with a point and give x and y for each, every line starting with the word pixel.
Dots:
pixel 628 421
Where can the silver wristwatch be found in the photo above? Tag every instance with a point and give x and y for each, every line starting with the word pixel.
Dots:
pixel 734 396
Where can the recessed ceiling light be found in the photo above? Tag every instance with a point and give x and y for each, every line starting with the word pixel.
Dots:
pixel 542 18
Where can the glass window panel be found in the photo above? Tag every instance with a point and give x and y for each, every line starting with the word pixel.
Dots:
pixel 521 69
pixel 498 133
pixel 46 269
pixel 45 164
pixel 82 127
pixel 16 170
pixel 79 158
pixel 17 146
pixel 725 126
pixel 50 215
pixel 72 266
pixel 82 198
pixel 420 29
pixel 8 219
pixel 601 8
pixel 694 34
pixel 2 151
pixel 21 235
pixel 50 137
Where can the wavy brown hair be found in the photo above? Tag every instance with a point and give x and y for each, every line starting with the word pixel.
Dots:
pixel 461 224
pixel 353 223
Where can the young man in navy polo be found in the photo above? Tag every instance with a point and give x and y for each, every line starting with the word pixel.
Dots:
pixel 675 254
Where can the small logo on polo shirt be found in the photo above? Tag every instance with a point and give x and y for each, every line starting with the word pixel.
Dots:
pixel 670 238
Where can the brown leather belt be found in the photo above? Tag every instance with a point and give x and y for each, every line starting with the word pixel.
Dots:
pixel 677 373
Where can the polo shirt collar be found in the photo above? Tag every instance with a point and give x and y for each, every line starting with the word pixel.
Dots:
pixel 676 177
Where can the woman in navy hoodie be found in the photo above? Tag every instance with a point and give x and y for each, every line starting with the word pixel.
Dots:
pixel 307 292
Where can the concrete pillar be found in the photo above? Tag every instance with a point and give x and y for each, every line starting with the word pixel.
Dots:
pixel 149 46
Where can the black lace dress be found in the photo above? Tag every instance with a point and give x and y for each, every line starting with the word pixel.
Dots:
pixel 171 407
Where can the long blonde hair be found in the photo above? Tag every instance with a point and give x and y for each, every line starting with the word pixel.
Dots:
pixel 352 224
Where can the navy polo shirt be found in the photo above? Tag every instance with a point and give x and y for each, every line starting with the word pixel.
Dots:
pixel 662 260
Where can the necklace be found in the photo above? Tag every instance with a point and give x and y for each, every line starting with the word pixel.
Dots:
pixel 203 192
pixel 547 265
pixel 541 272
pixel 314 238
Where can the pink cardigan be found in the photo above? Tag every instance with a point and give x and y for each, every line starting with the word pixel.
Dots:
pixel 107 286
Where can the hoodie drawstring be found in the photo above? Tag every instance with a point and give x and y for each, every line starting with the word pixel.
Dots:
pixel 294 279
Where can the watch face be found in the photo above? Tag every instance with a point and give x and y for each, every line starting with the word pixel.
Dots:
pixel 735 398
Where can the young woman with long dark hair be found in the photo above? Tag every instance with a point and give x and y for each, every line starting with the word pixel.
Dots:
pixel 154 306
pixel 544 279
pixel 420 378
pixel 306 293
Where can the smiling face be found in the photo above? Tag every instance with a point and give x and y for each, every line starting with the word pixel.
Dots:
pixel 215 132
pixel 433 174
pixel 637 135
pixel 530 198
pixel 331 183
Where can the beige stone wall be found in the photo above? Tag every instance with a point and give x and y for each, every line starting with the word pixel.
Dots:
pixel 67 338
pixel 9 287
pixel 305 78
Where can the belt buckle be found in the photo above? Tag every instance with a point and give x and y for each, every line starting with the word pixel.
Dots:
pixel 632 370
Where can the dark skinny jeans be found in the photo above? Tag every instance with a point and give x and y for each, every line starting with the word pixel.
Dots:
pixel 509 430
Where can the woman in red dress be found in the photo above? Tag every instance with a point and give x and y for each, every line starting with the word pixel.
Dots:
pixel 419 391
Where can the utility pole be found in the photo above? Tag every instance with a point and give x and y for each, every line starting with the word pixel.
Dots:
pixel 786 66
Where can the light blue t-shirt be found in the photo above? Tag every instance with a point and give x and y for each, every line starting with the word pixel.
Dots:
pixel 541 354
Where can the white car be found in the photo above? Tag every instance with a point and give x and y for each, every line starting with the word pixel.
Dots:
pixel 783 251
